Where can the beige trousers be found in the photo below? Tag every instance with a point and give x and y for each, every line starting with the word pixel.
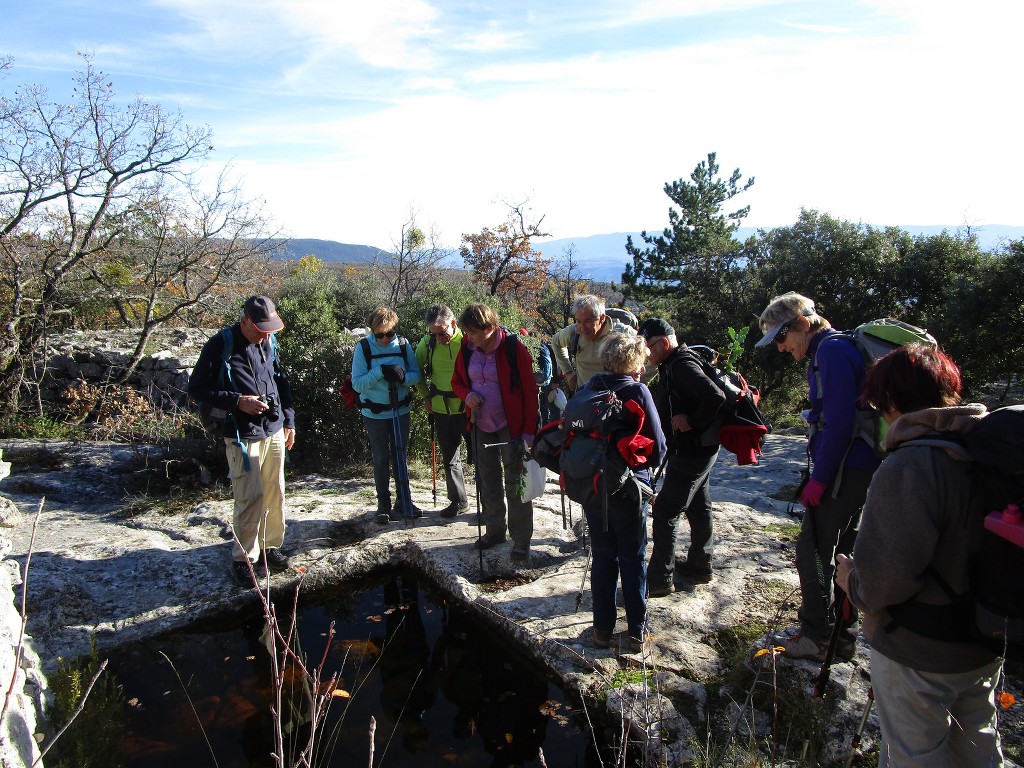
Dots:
pixel 259 494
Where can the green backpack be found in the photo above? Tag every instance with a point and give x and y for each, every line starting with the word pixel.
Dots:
pixel 873 340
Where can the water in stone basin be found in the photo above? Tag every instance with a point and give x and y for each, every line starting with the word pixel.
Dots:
pixel 443 689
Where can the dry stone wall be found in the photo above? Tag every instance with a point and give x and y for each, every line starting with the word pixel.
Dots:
pixel 97 357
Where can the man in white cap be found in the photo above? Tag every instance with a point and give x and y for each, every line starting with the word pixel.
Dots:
pixel 243 390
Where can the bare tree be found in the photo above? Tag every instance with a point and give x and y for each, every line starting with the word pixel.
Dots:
pixel 564 281
pixel 177 255
pixel 74 178
pixel 413 265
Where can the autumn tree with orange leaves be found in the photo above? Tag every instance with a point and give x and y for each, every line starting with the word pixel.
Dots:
pixel 503 259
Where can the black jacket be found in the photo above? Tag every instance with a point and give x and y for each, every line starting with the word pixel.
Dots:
pixel 683 387
pixel 254 371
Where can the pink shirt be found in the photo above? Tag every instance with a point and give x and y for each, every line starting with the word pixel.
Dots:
pixel 483 372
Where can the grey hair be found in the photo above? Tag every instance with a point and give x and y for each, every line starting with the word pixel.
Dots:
pixel 790 306
pixel 439 314
pixel 624 353
pixel 595 305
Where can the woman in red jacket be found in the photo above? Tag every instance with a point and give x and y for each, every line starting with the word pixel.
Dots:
pixel 494 376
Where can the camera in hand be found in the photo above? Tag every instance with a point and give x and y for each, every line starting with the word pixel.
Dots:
pixel 271 401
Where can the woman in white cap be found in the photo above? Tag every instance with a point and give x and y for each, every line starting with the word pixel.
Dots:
pixel 841 464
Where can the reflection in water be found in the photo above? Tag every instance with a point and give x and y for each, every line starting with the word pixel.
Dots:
pixel 397 645
pixel 407 678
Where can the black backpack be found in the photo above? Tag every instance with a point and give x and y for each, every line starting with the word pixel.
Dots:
pixel 547 445
pixel 992 611
pixel 739 426
pixel 590 464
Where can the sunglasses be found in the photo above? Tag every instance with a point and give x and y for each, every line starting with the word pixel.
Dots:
pixel 385 335
pixel 446 332
pixel 781 335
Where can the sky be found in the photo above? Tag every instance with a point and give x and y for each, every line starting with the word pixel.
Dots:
pixel 348 117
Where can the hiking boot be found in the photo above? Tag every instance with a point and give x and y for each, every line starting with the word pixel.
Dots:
pixel 275 560
pixel 489 540
pixel 695 572
pixel 626 643
pixel 800 646
pixel 396 512
pixel 240 571
pixel 454 509
pixel 519 553
pixel 383 518
pixel 660 590
pixel 602 638
pixel 846 647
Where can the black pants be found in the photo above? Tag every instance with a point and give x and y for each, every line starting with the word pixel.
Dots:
pixel 686 489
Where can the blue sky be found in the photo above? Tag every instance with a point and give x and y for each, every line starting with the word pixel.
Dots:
pixel 346 116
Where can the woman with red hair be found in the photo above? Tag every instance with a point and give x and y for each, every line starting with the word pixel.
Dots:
pixel 933 681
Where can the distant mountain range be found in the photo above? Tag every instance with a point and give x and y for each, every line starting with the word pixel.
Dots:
pixel 326 250
pixel 603 257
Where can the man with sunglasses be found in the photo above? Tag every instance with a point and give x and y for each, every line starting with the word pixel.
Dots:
pixel 688 403
pixel 380 362
pixel 841 464
pixel 436 354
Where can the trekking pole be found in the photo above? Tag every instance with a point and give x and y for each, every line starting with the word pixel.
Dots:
pixel 846 612
pixel 586 570
pixel 855 744
pixel 476 483
pixel 401 467
pixel 496 445
pixel 433 455
pixel 562 494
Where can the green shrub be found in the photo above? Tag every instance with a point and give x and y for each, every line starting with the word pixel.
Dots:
pixel 94 738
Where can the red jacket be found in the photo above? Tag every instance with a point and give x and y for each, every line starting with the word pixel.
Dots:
pixel 520 403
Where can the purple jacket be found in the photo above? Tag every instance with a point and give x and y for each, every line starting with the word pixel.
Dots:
pixel 832 416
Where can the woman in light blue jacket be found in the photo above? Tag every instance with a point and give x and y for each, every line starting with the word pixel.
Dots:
pixel 384 372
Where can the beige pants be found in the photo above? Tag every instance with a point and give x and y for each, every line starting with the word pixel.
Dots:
pixel 259 494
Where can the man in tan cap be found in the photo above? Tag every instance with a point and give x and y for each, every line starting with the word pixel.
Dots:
pixel 244 392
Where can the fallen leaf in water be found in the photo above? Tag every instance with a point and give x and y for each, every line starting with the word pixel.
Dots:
pixel 1006 700
pixel 375 618
pixel 389 611
pixel 341 694
pixel 133 702
pixel 508 738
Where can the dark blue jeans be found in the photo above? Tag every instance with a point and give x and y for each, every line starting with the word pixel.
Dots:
pixel 619 551
pixel 686 489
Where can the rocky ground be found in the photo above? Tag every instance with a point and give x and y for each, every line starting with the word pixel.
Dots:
pixel 99 573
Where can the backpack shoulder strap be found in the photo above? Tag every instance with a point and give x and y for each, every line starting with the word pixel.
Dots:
pixel 512 342
pixel 403 345
pixel 364 344
pixel 227 349
pixel 574 346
